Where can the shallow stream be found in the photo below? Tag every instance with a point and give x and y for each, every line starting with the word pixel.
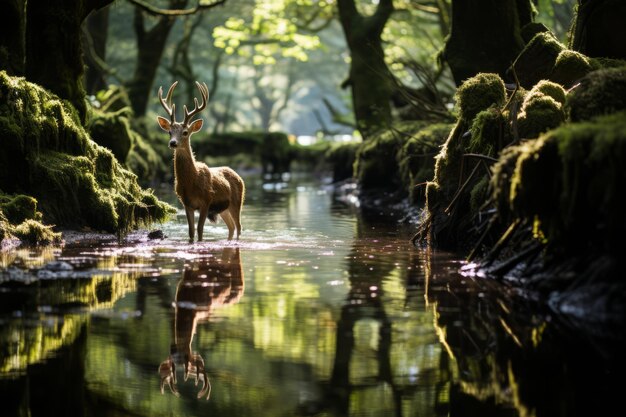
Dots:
pixel 317 310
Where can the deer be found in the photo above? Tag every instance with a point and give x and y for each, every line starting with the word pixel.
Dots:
pixel 206 285
pixel 211 191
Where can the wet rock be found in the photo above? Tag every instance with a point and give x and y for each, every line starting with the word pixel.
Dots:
pixel 56 266
pixel 156 234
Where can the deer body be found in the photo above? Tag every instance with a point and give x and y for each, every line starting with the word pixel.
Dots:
pixel 211 191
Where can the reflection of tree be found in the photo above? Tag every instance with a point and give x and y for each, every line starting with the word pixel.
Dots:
pixel 371 266
pixel 210 283
pixel 361 303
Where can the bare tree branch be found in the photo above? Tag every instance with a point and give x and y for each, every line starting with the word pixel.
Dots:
pixel 155 11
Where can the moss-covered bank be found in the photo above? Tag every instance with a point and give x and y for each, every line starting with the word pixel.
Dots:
pixel 113 125
pixel 401 158
pixel 529 181
pixel 48 156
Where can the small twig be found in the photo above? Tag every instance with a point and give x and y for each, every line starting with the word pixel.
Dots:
pixel 481 156
pixel 462 188
pixel 508 102
pixel 482 237
pixel 502 241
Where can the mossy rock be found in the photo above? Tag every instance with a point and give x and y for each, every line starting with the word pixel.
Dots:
pixel 599 93
pixel 570 66
pixel 75 181
pixel 548 88
pixel 113 131
pixel 539 114
pixel 416 158
pixel 276 153
pixel 341 157
pixel 479 93
pixel 143 159
pixel 376 164
pixel 33 232
pixel 489 132
pixel 537 59
pixel 113 99
pixel 18 208
pixel 502 176
pixel 569 183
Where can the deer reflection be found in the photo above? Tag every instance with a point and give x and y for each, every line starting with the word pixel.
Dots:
pixel 204 286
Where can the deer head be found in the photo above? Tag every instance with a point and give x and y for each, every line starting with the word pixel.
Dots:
pixel 181 131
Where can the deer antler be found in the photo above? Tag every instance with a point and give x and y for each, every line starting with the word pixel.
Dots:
pixel 204 92
pixel 170 111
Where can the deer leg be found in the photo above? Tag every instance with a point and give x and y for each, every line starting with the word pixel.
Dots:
pixel 201 219
pixel 235 212
pixel 228 219
pixel 190 222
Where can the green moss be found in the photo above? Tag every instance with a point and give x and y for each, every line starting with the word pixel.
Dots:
pixel 416 158
pixel 19 208
pixel 600 92
pixel 604 63
pixel 537 59
pixel 569 183
pixel 113 99
pixel 479 93
pixel 433 195
pixel 143 160
pixel 539 114
pixel 549 89
pixel 502 177
pixel 376 164
pixel 569 67
pixel 112 130
pixel 489 133
pixel 34 233
pixel 47 154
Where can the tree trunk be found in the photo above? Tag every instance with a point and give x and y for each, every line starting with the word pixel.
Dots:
pixel 485 36
pixel 599 29
pixel 370 79
pixel 12 42
pixel 150 46
pixel 53 47
pixel 96 25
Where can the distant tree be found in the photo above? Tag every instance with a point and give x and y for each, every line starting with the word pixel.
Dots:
pixel 150 45
pixel 369 77
pixel 94 45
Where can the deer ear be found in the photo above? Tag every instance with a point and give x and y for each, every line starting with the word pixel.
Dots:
pixel 164 123
pixel 195 126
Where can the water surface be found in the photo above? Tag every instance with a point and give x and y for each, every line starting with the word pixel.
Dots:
pixel 317 310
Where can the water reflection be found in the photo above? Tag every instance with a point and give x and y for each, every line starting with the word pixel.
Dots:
pixel 508 356
pixel 210 283
pixel 341 317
